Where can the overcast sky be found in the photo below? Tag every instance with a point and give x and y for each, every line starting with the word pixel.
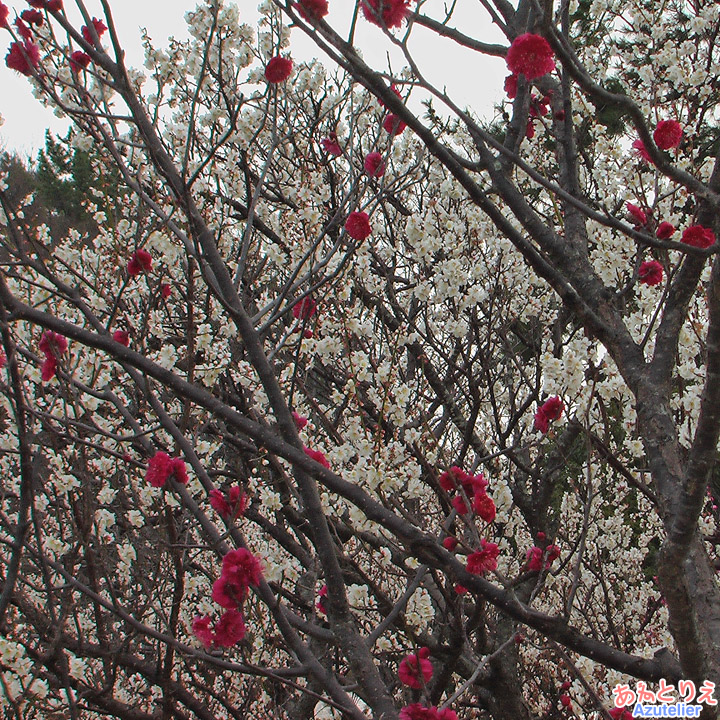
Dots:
pixel 471 79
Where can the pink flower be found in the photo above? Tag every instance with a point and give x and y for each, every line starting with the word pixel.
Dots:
pixel 320 604
pixel 374 164
pixel 79 60
pixel 460 505
pixel 227 593
pixel 278 69
pixel 450 478
pixel 161 467
pixel 637 214
pixel 416 670
pixel 565 700
pixel 100 29
pixel 165 291
pixel 698 236
pixel 52 344
pixel 51 5
pixel 179 471
pixel 233 504
pixel 484 506
pixel 511 83
pixel 317 456
pixel 357 226
pixel 530 130
pixel 201 630
pixel 484 560
pixel 330 145
pixel 641 151
pixel 650 273
pixel 140 262
pixel 416 711
pixel 300 420
pixel 23 58
pixel 390 13
pixel 665 230
pixel 530 55
pixel 32 17
pixel 122 337
pixel 450 543
pixel 4 12
pixel 620 714
pixel 393 124
pixel 230 628
pixel 23 30
pixel 48 369
pixel 395 91
pixel 534 558
pixel 242 567
pixel 668 134
pixel 312 9
pixel 304 309
pixel 550 410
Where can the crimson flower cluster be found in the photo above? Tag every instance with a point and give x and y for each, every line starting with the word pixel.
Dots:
pixel 317 456
pixel 668 134
pixel 470 487
pixel 357 226
pixel 49 5
pixel 161 467
pixel 331 146
pixel 536 554
pixel 240 570
pixel 312 9
pixel 550 410
pixel 226 632
pixel 387 13
pixel 641 151
pixel 320 603
pixel 637 214
pixel 665 230
pixel 52 345
pixel 79 60
pixel 122 337
pixel 698 236
pixel 300 420
pixel 483 560
pixel 140 262
pixel 650 272
pixel 374 164
pixel 23 57
pixel 531 56
pixel 229 505
pixel 416 670
pixel 278 69
pixel 416 711
pixel 304 309
pixel 100 30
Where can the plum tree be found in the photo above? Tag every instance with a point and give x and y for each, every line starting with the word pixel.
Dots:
pixel 349 410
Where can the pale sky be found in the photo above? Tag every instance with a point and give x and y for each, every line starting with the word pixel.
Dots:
pixel 470 78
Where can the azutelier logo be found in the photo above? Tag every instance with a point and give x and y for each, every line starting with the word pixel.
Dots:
pixel 667 701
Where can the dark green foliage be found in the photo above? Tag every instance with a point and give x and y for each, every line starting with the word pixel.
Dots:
pixel 64 177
